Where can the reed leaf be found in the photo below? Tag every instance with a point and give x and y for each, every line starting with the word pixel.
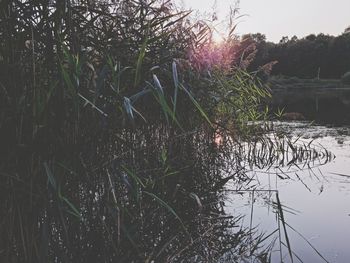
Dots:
pixel 196 104
pixel 140 59
pixel 176 85
pixel 284 224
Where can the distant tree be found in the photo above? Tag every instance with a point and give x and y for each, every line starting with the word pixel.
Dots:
pixel 294 39
pixel 347 30
pixel 311 37
pixel 339 60
pixel 258 37
pixel 313 56
pixel 284 40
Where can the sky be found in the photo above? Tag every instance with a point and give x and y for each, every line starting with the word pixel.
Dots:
pixel 278 18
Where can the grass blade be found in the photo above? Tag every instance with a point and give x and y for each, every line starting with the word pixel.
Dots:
pixel 176 86
pixel 140 60
pixel 280 211
pixel 199 108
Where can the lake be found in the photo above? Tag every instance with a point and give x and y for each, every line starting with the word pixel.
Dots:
pixel 314 195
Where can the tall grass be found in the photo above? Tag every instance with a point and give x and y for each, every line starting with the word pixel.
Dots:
pixel 100 161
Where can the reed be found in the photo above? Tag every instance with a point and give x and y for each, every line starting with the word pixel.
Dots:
pixel 106 134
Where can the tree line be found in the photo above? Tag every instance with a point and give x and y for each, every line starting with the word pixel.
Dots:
pixel 314 56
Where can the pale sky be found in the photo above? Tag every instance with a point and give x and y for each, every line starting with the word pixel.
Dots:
pixel 277 18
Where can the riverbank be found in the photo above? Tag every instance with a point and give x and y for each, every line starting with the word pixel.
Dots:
pixel 282 82
pixel 322 100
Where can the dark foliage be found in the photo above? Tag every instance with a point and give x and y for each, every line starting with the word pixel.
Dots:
pixel 83 178
pixel 314 56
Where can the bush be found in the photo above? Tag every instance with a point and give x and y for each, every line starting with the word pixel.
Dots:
pixel 346 78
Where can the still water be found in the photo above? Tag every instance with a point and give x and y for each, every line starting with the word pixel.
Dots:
pixel 315 196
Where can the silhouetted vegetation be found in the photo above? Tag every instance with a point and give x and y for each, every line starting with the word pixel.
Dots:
pixel 120 124
pixel 314 56
pixel 108 120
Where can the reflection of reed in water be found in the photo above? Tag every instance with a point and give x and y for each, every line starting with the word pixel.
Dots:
pixel 137 200
pixel 283 154
pixel 282 157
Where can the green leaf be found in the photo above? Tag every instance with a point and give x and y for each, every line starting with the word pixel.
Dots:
pixel 140 58
pixel 176 84
pixel 199 108
pixel 133 176
pixel 50 177
pixel 74 210
pixel 128 108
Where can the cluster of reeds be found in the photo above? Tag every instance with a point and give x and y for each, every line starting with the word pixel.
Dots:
pixel 99 160
pixel 271 152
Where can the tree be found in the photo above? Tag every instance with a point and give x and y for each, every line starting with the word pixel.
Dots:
pixel 347 30
pixel 284 40
pixel 314 55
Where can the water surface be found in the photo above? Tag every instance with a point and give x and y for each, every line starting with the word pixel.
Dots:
pixel 315 197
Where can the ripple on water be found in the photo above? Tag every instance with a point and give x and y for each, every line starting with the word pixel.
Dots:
pixel 316 200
